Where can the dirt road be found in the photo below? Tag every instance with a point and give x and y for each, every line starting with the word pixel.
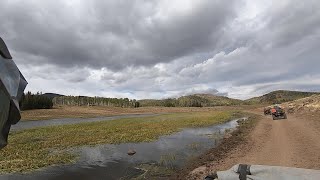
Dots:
pixel 294 142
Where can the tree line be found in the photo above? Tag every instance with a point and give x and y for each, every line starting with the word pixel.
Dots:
pixel 94 101
pixel 35 101
pixel 172 102
pixel 189 101
pixel 41 101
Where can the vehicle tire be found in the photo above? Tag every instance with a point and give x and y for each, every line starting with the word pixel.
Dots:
pixel 273 117
pixel 285 116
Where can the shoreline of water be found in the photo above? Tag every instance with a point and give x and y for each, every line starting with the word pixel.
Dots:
pixel 110 160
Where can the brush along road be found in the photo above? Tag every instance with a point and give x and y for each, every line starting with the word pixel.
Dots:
pixel 292 142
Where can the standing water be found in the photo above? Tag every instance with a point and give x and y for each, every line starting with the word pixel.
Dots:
pixel 158 158
pixel 29 124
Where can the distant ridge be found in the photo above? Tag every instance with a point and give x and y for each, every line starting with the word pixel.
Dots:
pixel 280 96
pixel 210 100
pixel 51 95
pixel 195 100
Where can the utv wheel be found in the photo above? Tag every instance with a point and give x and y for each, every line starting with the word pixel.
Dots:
pixel 274 117
pixel 284 116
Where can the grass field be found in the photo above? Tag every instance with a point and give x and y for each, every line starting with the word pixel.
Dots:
pixel 36 148
pixel 95 111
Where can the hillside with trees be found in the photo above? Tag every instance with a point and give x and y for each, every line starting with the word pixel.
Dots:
pixel 48 100
pixel 195 100
pixel 280 96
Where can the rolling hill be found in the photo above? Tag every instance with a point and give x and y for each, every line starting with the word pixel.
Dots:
pixel 280 96
pixel 195 100
pixel 209 100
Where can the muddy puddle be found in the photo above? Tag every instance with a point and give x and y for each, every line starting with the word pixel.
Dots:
pixel 154 159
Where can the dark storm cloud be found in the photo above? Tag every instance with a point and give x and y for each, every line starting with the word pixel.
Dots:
pixel 113 34
pixel 294 20
pixel 155 49
pixel 285 48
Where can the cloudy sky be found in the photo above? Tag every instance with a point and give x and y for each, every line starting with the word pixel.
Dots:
pixel 164 48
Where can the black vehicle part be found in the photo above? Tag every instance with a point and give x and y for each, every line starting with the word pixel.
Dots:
pixel 12 85
pixel 4 52
pixel 211 177
pixel 243 171
pixel 263 172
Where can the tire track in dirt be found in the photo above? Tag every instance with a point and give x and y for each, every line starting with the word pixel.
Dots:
pixel 305 140
pixel 273 148
pixel 293 142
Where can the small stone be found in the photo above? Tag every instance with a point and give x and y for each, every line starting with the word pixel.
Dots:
pixel 131 152
pixel 227 136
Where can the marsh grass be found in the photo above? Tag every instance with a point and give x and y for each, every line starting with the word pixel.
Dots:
pixel 195 146
pixel 167 160
pixel 214 135
pixel 41 147
pixel 154 171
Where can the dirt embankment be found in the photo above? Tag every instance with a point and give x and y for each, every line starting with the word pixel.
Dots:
pixel 294 142
pixel 309 104
pixel 204 164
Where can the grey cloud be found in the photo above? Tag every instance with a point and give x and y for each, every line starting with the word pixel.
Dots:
pixel 256 63
pixel 294 20
pixel 205 91
pixel 145 49
pixel 51 72
pixel 113 34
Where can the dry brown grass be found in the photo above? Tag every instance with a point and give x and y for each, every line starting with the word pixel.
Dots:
pixel 311 103
pixel 96 111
